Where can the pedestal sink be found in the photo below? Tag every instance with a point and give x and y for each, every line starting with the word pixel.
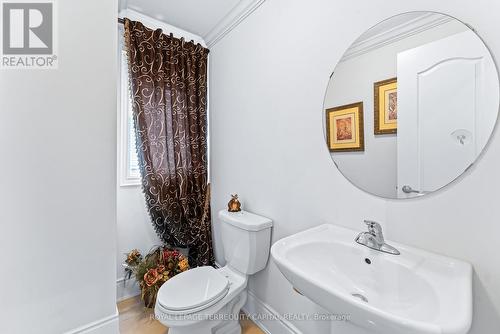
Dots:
pixel 417 292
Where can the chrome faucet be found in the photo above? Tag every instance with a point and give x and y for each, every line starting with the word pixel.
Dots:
pixel 374 238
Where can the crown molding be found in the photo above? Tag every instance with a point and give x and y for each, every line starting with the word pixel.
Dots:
pixel 237 15
pixel 397 33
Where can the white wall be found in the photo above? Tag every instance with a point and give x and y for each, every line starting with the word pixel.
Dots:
pixel 134 232
pixel 134 225
pixel 352 82
pixel 58 181
pixel 268 79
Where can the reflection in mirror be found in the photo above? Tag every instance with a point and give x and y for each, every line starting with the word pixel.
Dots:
pixel 411 105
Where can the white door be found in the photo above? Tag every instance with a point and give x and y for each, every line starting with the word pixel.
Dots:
pixel 446 110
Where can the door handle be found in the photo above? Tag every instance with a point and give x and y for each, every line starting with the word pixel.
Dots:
pixel 408 190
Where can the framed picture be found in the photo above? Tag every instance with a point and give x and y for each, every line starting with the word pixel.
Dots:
pixel 345 129
pixel 386 106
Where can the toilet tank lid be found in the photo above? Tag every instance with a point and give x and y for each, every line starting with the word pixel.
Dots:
pixel 245 220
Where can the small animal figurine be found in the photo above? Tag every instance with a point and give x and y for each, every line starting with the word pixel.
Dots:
pixel 234 204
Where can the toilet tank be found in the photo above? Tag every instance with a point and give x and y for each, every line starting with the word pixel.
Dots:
pixel 246 238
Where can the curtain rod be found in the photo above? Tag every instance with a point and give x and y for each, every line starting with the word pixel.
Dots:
pixel 121 20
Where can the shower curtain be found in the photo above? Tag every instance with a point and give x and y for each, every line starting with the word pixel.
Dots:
pixel 168 82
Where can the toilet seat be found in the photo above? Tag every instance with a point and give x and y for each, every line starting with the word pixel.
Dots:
pixel 192 291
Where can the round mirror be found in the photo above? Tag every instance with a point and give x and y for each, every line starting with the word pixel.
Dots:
pixel 411 105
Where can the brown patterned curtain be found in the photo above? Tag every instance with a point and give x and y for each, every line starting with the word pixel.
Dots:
pixel 168 80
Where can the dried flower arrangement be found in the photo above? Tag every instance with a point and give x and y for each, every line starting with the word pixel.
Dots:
pixel 154 269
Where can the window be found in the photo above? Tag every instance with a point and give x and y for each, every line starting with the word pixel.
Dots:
pixel 132 159
pixel 128 161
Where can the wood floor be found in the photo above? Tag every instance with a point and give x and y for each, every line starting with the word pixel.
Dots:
pixel 135 319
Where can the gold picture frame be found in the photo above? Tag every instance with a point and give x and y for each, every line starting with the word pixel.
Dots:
pixel 386 106
pixel 345 128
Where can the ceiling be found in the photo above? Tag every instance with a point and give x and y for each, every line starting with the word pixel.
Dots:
pixel 199 17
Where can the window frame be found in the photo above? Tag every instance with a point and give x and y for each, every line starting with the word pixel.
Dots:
pixel 126 177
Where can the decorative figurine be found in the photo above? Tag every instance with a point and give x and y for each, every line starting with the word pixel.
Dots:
pixel 234 205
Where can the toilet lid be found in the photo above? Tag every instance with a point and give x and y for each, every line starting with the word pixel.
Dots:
pixel 193 289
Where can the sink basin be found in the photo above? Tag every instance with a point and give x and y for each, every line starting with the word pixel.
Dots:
pixel 417 292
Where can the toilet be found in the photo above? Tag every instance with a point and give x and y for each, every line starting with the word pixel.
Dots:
pixel 206 300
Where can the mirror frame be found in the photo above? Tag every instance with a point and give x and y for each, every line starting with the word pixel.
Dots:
pixel 459 177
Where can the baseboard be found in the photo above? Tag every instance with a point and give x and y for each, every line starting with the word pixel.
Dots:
pixel 267 318
pixel 126 289
pixel 107 325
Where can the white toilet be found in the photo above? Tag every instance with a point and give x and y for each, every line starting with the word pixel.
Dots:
pixel 205 300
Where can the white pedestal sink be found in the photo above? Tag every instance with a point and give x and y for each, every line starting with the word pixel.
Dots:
pixel 417 292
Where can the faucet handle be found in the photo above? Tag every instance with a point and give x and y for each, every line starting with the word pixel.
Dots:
pixel 373 227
